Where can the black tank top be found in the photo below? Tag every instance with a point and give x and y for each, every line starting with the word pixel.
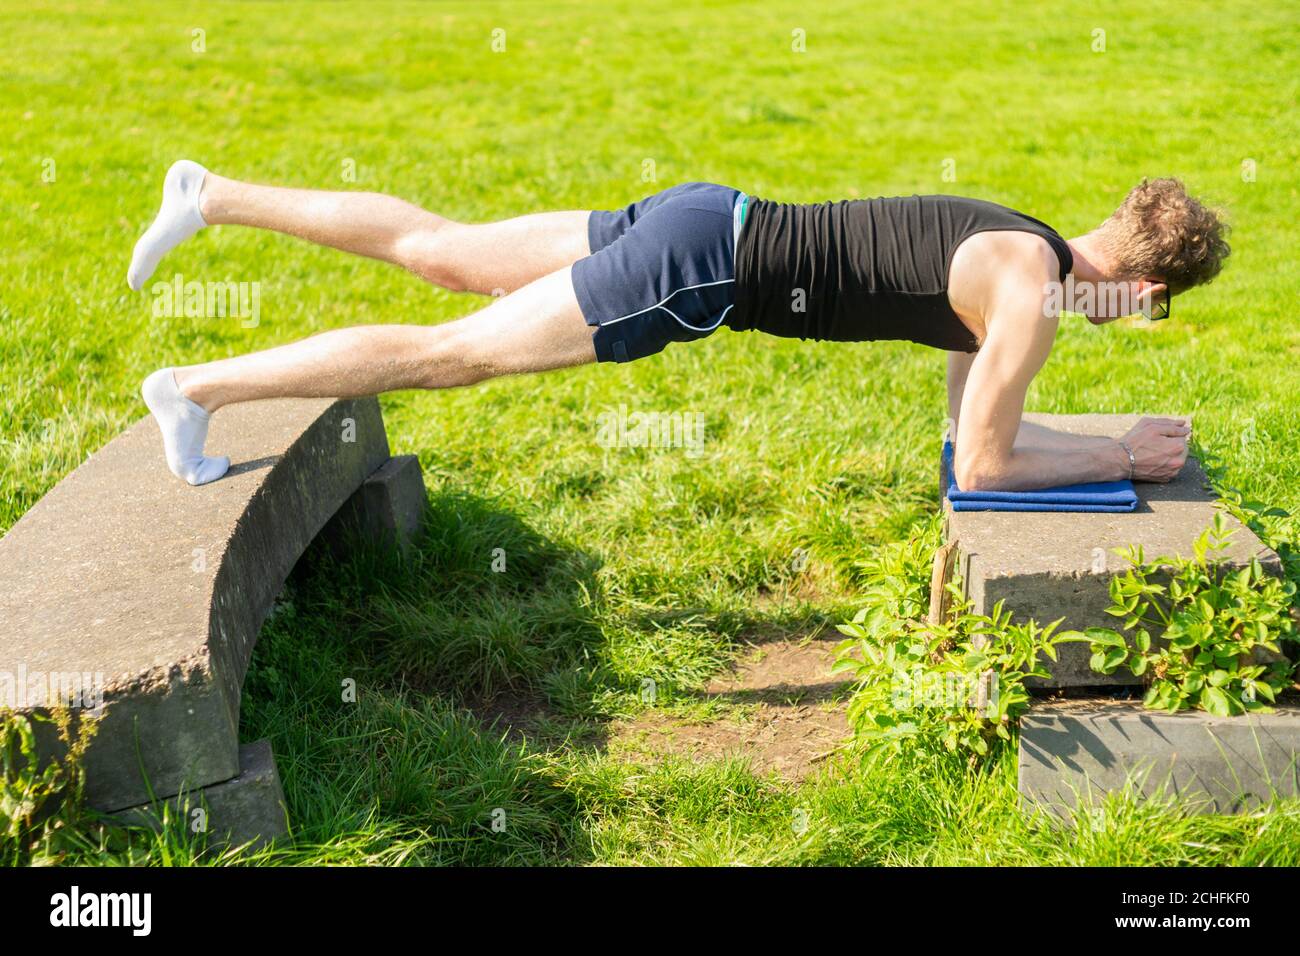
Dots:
pixel 866 269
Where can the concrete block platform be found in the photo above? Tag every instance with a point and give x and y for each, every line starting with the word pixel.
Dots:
pixel 1075 752
pixel 1047 565
pixel 248 809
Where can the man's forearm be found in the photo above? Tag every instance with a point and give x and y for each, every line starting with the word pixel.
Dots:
pixel 1072 459
pixel 1048 439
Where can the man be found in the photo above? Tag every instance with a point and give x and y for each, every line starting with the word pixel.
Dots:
pixel 982 282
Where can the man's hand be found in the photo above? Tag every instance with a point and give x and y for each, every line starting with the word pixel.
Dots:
pixel 1159 448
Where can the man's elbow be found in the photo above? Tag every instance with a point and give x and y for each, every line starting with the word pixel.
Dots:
pixel 974 474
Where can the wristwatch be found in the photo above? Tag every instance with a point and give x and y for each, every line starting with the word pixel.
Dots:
pixel 1132 462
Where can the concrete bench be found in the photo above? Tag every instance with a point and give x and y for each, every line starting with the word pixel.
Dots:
pixel 141 598
pixel 1046 565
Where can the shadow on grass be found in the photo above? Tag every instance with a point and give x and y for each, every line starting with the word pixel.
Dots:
pixel 372 676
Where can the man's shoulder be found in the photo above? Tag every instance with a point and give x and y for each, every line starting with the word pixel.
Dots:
pixel 1001 259
pixel 1007 273
pixel 1015 251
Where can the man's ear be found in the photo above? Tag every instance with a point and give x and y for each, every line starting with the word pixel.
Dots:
pixel 1148 292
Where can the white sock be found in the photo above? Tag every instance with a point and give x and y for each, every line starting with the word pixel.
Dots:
pixel 184 426
pixel 177 220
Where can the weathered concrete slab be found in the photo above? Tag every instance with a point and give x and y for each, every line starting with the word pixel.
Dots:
pixel 1048 565
pixel 151 593
pixel 247 809
pixel 1071 752
pixel 388 507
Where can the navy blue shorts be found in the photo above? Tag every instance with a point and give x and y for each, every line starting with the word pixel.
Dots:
pixel 662 270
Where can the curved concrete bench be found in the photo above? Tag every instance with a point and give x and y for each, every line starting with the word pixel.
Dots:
pixel 145 596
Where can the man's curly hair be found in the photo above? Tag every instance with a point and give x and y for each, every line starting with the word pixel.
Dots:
pixel 1160 232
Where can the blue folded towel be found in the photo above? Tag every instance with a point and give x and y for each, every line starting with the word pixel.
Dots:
pixel 1110 496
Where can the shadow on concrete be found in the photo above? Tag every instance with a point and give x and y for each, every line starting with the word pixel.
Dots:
pixel 254 464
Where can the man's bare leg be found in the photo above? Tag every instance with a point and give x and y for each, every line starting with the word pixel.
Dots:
pixel 489 258
pixel 537 328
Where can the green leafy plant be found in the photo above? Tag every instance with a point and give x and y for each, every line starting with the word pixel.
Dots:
pixel 39 802
pixel 1203 634
pixel 955 684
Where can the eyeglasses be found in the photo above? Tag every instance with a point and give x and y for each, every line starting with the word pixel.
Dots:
pixel 1160 308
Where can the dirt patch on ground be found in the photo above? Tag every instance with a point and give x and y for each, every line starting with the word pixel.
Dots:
pixel 515 714
pixel 789 713
pixel 783 673
pixel 528 717
pixel 779 707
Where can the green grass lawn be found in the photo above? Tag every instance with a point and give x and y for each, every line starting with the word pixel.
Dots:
pixel 630 565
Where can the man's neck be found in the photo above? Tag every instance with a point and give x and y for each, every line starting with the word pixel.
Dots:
pixel 1091 263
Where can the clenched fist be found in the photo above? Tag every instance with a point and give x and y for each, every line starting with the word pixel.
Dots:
pixel 1159 448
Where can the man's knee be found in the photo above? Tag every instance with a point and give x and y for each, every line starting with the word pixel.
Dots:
pixel 434 256
pixel 460 359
